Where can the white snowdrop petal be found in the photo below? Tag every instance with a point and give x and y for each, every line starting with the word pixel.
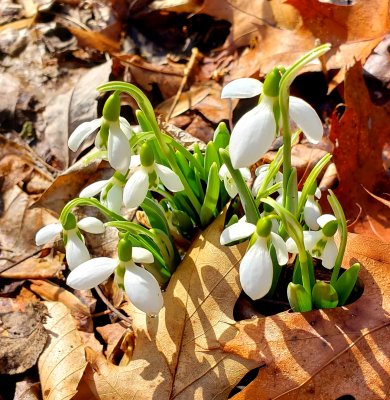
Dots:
pixel 82 132
pixel 246 173
pixel 329 254
pixel 256 270
pixel 280 248
pixel 237 231
pixel 141 255
pixel 135 161
pixel 93 189
pixel 223 171
pixel 91 273
pixel 125 127
pixel 318 193
pixel 325 218
pixel 76 251
pixel 310 239
pixel 253 135
pixel 304 115
pixel 242 88
pixel 47 233
pixel 230 186
pixel 114 199
pixel 91 225
pixel 311 212
pixel 136 189
pixel 119 153
pixel 143 290
pixel 169 179
pixel 291 246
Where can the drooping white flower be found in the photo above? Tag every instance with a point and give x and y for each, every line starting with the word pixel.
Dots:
pixel 111 192
pixel 230 186
pixel 312 210
pixel 320 244
pixel 261 173
pixel 256 269
pixel 255 131
pixel 118 130
pixel 141 286
pixel 75 249
pixel 137 186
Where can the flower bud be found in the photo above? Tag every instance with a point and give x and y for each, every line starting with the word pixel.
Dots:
pixel 70 222
pixel 146 155
pixel 271 83
pixel 330 228
pixel 125 250
pixel 112 108
pixel 264 227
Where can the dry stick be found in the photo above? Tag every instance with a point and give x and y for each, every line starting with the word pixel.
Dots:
pixel 186 73
pixel 377 328
pixel 112 308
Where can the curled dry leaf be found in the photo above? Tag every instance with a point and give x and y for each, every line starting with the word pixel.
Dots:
pixel 52 292
pixel 22 334
pixel 325 353
pixel 361 135
pixel 177 355
pixel 62 363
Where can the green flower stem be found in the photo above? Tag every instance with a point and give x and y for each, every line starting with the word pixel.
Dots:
pixel 88 202
pixel 294 229
pixel 284 94
pixel 311 179
pixel 248 202
pixel 146 107
pixel 339 214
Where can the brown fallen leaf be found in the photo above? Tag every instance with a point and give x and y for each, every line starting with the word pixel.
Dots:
pixel 62 363
pixel 22 334
pixel 187 100
pixel 361 134
pixel 69 184
pixel 95 40
pixel 177 354
pixel 66 110
pixel 27 389
pixel 52 292
pixel 282 37
pixel 325 354
pixel 120 343
pixel 144 74
pixel 23 179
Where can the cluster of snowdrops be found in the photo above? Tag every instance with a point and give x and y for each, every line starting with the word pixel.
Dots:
pixel 182 191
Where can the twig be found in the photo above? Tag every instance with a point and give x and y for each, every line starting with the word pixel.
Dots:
pixel 187 71
pixel 112 308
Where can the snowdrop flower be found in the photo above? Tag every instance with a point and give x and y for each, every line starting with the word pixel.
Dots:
pixel 312 210
pixel 320 244
pixel 148 175
pixel 261 173
pixel 255 131
pixel 111 191
pixel 75 249
pixel 256 269
pixel 230 186
pixel 140 285
pixel 114 134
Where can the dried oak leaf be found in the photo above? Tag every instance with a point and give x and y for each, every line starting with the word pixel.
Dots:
pixel 22 180
pixel 361 135
pixel 62 363
pixel 290 34
pixel 325 354
pixel 177 355
pixel 22 334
